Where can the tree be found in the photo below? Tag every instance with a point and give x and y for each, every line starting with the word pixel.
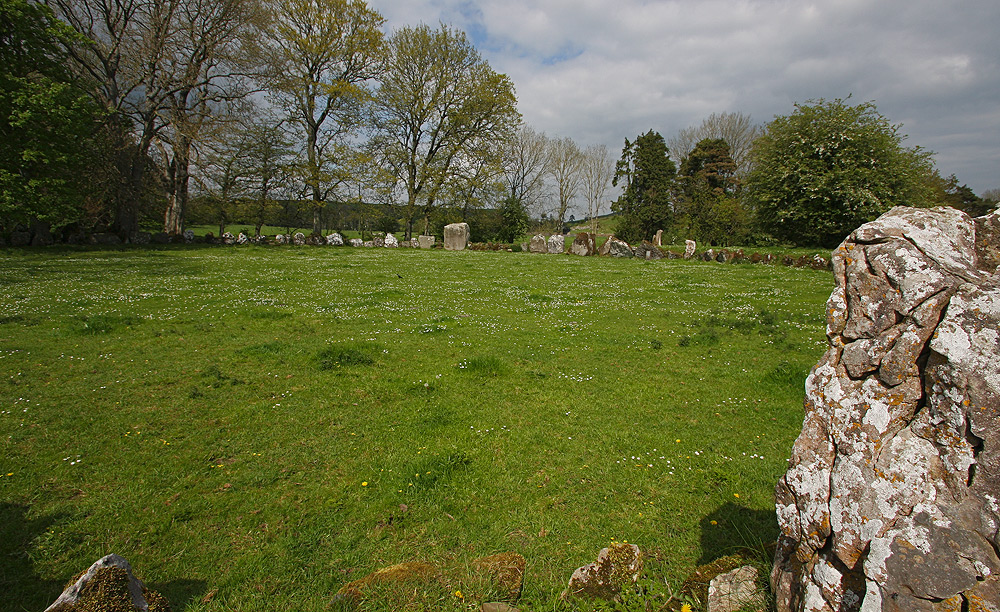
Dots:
pixel 598 172
pixel 524 158
pixel 46 123
pixel 439 99
pixel 709 209
pixel 320 56
pixel 829 167
pixel 564 164
pixel 738 130
pixel 648 175
pixel 992 196
pixel 948 192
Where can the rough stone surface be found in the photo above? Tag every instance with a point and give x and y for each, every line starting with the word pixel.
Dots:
pixel 556 244
pixel 988 240
pixel 410 572
pixel 648 250
pixel 357 242
pixel 316 240
pixel 616 248
pixel 497 606
pixel 892 496
pixel 391 242
pixel 736 591
pixel 584 244
pixel 242 239
pixel 658 238
pixel 335 239
pixel 299 239
pixel 689 248
pixel 281 239
pixel 504 572
pixel 538 244
pixel 188 236
pixel 109 584
pixel 228 238
pixel 426 242
pixel 19 239
pixel 456 236
pixel 617 566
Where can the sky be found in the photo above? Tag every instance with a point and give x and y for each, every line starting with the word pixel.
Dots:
pixel 601 71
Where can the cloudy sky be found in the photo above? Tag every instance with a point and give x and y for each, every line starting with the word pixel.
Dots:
pixel 600 71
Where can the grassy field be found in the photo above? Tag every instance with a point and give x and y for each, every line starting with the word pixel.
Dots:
pixel 254 427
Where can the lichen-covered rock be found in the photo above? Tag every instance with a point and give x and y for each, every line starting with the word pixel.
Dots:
pixel 617 566
pixel 391 242
pixel 584 244
pixel 689 248
pixel 109 586
pixel 425 242
pixel 356 242
pixel 736 591
pixel 616 248
pixel 188 236
pixel 504 572
pixel 403 573
pixel 647 250
pixel 335 239
pixel 556 244
pixel 892 496
pixel 456 236
pixel 299 239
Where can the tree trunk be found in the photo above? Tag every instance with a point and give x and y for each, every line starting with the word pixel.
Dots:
pixel 173 222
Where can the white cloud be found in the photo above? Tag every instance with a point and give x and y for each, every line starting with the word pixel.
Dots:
pixel 601 71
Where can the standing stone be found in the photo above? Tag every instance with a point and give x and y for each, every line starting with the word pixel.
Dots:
pixel 584 244
pixel 391 242
pixel 556 244
pixel 736 591
pixel 357 242
pixel 426 242
pixel 648 251
pixel 658 238
pixel 299 239
pixel 242 239
pixel 689 248
pixel 456 236
pixel 109 584
pixel 188 236
pixel 890 501
pixel 280 239
pixel 228 238
pixel 377 241
pixel 616 248
pixel 617 566
pixel 316 240
pixel 335 239
pixel 709 255
pixel 538 244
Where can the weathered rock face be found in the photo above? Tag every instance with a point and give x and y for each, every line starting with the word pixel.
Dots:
pixel 584 244
pixel 356 242
pixel 736 590
pixel 391 241
pixel 299 239
pixel 658 238
pixel 616 248
pixel 892 496
pixel 538 244
pixel 689 248
pixel 617 566
pixel 242 239
pixel 648 250
pixel 456 236
pixel 335 239
pixel 109 585
pixel 556 244
pixel 188 236
pixel 426 242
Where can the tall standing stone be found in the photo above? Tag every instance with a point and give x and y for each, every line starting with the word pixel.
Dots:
pixel 584 244
pixel 456 236
pixel 556 244
pixel 689 248
pixel 538 244
pixel 658 238
pixel 891 500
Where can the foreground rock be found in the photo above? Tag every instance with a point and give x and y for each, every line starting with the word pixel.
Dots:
pixel 456 236
pixel 617 566
pixel 391 241
pixel 736 591
pixel 109 585
pixel 504 573
pixel 892 496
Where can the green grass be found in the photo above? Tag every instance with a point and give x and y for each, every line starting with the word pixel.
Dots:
pixel 247 425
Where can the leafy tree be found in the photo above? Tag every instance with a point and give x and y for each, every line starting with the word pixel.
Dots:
pixel 46 124
pixel 439 101
pixel 648 175
pixel 829 167
pixel 738 130
pixel 320 56
pixel 514 220
pixel 709 208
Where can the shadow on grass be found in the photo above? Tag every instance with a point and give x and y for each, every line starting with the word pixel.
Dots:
pixel 22 589
pixel 733 529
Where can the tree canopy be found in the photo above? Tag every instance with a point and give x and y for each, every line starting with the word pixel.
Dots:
pixel 828 168
pixel 648 175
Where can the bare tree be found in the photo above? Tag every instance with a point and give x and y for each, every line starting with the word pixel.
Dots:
pixel 737 129
pixel 564 164
pixel 524 166
pixel 598 171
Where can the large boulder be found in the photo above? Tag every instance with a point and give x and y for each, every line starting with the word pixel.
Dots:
pixel 335 239
pixel 648 250
pixel 109 584
pixel 538 244
pixel 391 241
pixel 456 236
pixel 299 239
pixel 356 242
pixel 556 244
pixel 426 242
pixel 891 500
pixel 584 244
pixel 616 248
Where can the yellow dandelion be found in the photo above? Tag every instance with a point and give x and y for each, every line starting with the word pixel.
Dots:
pixel 459 595
pixel 364 484
pixel 686 608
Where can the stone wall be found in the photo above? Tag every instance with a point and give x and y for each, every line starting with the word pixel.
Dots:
pixel 891 500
